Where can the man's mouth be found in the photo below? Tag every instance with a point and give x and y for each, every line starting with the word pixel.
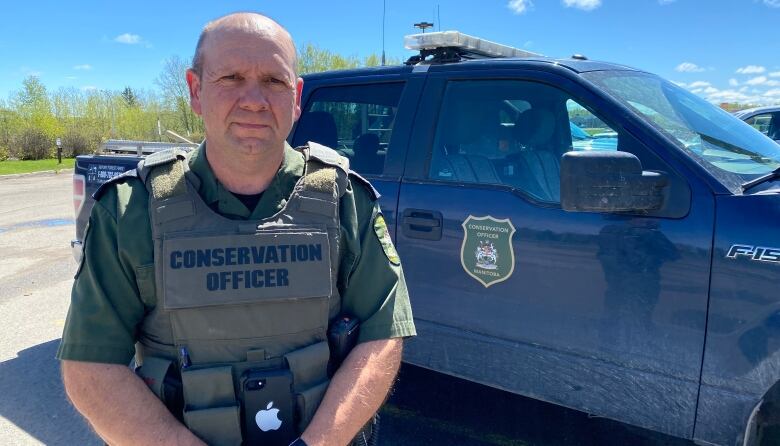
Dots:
pixel 250 126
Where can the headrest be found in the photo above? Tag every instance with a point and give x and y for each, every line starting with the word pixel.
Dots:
pixel 534 127
pixel 317 126
pixel 366 143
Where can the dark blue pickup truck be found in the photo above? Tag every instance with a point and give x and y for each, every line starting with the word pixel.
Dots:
pixel 575 231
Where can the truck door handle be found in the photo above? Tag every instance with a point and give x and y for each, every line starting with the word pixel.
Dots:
pixel 422 224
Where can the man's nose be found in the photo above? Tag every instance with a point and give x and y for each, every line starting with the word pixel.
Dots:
pixel 254 97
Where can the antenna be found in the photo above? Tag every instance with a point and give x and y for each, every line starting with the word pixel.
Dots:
pixel 423 26
pixel 438 15
pixel 384 13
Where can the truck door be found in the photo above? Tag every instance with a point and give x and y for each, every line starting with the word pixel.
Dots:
pixel 360 120
pixel 601 312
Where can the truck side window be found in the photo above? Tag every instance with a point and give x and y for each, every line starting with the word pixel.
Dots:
pixel 588 132
pixel 762 122
pixel 508 132
pixel 356 121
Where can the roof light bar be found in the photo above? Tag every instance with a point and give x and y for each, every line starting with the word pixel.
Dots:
pixel 469 44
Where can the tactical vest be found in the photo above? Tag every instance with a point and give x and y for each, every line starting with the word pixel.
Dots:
pixel 235 295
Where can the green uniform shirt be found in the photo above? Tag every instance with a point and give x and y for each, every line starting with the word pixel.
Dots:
pixel 114 287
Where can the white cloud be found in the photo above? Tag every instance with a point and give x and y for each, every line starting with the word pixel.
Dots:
pixel 130 39
pixel 85 67
pixel 757 80
pixel 733 82
pixel 585 5
pixel 679 84
pixel 728 96
pixel 774 74
pixel 520 6
pixel 711 90
pixel 772 83
pixel 699 84
pixel 89 88
pixel 751 69
pixel 689 67
pixel 772 3
pixel 774 93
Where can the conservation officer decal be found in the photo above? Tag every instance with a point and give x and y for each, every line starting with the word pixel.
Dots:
pixel 486 253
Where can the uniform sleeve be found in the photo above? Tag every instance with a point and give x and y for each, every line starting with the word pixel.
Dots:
pixel 105 308
pixel 373 288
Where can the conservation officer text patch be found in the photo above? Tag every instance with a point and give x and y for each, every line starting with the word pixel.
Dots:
pixel 215 270
pixel 486 253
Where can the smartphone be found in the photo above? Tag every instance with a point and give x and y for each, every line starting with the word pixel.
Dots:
pixel 268 408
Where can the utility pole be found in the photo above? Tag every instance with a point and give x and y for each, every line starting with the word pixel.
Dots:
pixel 384 13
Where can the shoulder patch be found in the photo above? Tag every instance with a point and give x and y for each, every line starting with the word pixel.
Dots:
pixel 380 229
pixel 132 173
pixel 375 195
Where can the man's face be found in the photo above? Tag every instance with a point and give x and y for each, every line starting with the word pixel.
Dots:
pixel 248 94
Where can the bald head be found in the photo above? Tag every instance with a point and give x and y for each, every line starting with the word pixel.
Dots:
pixel 241 22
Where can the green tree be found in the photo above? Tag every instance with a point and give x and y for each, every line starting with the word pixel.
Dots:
pixel 35 138
pixel 176 94
pixel 131 100
pixel 313 59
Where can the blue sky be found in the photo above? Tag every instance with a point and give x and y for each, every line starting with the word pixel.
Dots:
pixel 724 50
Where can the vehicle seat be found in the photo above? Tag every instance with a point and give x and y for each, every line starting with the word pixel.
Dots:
pixel 317 126
pixel 538 160
pixel 367 159
pixel 774 127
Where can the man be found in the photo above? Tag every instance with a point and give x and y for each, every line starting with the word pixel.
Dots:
pixel 155 269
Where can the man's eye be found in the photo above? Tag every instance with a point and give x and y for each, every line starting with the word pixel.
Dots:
pixel 230 77
pixel 275 81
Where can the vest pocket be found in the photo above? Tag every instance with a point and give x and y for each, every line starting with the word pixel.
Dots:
pixel 307 402
pixel 219 426
pixel 144 280
pixel 309 367
pixel 211 410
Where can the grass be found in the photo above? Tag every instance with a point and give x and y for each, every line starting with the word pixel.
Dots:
pixel 11 167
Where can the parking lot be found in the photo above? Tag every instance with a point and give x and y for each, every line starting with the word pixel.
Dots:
pixel 36 269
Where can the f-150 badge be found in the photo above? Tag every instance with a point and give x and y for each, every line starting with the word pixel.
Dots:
pixel 757 253
pixel 486 253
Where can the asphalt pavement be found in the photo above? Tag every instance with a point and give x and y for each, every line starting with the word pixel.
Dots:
pixel 36 274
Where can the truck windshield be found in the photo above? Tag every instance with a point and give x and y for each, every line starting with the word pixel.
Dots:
pixel 730 149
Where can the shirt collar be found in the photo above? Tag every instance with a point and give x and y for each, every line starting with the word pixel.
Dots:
pixel 274 197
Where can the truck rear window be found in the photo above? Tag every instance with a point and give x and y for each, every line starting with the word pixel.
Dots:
pixel 356 120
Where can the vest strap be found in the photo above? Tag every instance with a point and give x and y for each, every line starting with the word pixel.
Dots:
pixel 327 155
pixel 168 180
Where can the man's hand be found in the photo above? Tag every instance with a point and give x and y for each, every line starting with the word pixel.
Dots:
pixel 120 407
pixel 355 393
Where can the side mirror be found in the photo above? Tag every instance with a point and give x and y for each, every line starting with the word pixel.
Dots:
pixel 609 181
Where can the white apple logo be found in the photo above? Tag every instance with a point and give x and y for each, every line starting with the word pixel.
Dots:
pixel 268 420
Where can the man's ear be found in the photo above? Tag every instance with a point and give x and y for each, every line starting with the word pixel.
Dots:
pixel 298 93
pixel 193 81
